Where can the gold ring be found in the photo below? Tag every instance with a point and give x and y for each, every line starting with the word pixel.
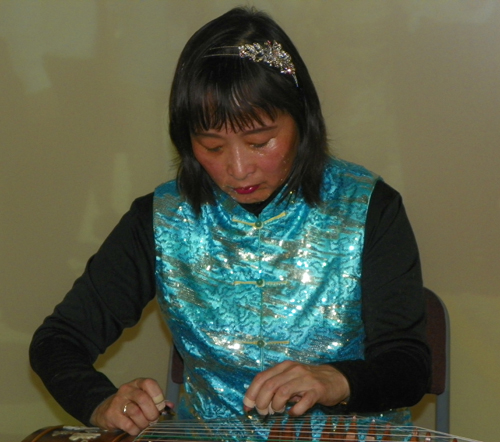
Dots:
pixel 125 408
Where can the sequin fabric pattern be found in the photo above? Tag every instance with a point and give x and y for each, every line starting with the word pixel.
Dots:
pixel 242 293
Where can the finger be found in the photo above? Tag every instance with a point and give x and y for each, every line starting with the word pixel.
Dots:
pixel 118 412
pixel 263 411
pixel 311 384
pixel 114 414
pixel 159 401
pixel 291 385
pixel 125 408
pixel 147 395
pixel 248 403
pixel 272 410
pixel 162 403
pixel 290 390
pixel 255 388
pixel 269 388
pixel 303 404
pixel 136 421
pixel 152 388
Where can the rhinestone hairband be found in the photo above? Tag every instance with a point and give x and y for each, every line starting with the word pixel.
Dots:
pixel 270 53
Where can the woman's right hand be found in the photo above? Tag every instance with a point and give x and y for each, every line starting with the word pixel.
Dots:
pixel 135 405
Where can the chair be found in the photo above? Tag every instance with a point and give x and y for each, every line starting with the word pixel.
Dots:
pixel 438 337
pixel 175 375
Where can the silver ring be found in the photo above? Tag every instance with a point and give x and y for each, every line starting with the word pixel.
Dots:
pixel 125 408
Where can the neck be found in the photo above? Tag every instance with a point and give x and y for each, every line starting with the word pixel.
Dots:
pixel 257 208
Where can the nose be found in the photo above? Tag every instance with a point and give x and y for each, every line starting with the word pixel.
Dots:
pixel 240 163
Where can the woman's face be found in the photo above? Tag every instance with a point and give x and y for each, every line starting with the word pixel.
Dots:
pixel 249 165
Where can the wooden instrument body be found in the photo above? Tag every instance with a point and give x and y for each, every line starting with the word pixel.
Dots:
pixel 333 429
pixel 77 434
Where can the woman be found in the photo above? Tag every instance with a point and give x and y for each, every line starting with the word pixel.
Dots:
pixel 289 280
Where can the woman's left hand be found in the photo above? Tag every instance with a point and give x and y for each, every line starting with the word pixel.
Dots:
pixel 289 381
pixel 132 408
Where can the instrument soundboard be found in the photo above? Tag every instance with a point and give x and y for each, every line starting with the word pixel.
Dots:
pixel 276 429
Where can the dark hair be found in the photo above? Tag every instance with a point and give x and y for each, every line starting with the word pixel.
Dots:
pixel 214 88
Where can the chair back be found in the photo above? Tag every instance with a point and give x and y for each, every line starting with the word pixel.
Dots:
pixel 438 337
pixel 175 375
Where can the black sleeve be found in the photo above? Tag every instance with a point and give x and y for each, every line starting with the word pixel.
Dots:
pixel 118 282
pixel 396 369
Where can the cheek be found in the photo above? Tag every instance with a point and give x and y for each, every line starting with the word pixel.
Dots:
pixel 212 167
pixel 282 161
pixel 202 158
pixel 198 155
pixel 277 168
pixel 280 155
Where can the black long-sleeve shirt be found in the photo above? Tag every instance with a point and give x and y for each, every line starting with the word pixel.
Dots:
pixel 118 282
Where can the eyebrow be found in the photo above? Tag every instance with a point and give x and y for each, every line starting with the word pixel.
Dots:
pixel 245 132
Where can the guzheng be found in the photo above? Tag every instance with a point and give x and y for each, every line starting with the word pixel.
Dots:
pixel 284 429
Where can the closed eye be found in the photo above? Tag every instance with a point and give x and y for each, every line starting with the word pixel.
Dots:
pixel 213 149
pixel 259 144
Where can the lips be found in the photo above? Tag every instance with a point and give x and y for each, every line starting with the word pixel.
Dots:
pixel 246 190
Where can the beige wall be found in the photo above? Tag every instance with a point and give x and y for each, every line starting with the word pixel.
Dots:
pixel 410 89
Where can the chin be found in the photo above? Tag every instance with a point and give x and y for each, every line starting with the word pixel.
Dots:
pixel 249 199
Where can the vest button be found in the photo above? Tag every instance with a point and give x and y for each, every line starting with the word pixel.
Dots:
pixel 258 224
pixel 260 283
pixel 261 343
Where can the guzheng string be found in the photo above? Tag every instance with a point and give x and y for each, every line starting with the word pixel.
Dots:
pixel 287 429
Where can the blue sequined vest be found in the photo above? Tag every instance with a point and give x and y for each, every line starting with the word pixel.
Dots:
pixel 242 293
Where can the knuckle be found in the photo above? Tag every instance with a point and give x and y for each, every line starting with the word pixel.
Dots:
pixel 273 385
pixel 144 382
pixel 138 382
pixel 283 393
pixel 123 389
pixel 133 411
pixel 150 385
pixel 299 369
pixel 286 364
pixel 260 376
pixel 130 428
